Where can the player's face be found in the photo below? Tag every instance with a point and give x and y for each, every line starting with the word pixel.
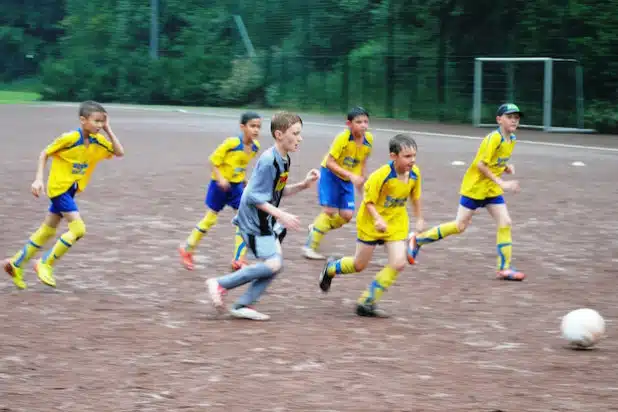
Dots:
pixel 509 122
pixel 252 129
pixel 290 140
pixel 404 160
pixel 93 123
pixel 358 125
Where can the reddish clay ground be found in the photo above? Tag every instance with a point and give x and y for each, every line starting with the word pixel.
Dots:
pixel 129 330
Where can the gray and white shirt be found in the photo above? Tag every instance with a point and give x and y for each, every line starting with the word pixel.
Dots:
pixel 265 185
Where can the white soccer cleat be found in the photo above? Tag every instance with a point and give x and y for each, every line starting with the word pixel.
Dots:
pixel 216 292
pixel 309 253
pixel 246 312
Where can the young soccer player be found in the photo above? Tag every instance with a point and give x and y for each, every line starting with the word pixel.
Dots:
pixel 383 220
pixel 482 186
pixel 229 164
pixel 74 157
pixel 343 169
pixel 257 214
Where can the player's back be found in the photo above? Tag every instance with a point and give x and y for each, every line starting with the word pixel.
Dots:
pixel 265 185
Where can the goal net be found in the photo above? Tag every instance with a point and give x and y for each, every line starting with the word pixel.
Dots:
pixel 549 91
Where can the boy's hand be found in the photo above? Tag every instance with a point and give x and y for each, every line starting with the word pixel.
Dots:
pixel 510 186
pixel 223 184
pixel 380 225
pixel 357 181
pixel 420 225
pixel 289 221
pixel 509 170
pixel 106 125
pixel 37 188
pixel 311 177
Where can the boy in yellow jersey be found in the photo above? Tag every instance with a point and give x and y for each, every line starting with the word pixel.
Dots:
pixel 343 168
pixel 229 174
pixel 482 186
pixel 74 157
pixel 383 219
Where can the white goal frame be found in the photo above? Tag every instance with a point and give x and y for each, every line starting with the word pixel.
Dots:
pixel 547 92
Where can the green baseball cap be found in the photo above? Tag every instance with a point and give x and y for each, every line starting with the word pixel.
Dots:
pixel 508 108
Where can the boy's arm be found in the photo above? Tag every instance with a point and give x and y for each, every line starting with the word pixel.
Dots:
pixel 415 198
pixel 58 144
pixel 490 144
pixel 311 177
pixel 116 145
pixel 216 160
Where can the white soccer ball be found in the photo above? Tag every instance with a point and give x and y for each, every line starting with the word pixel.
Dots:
pixel 583 328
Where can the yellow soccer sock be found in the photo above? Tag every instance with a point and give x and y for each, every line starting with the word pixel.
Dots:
pixel 437 233
pixel 384 280
pixel 343 266
pixel 204 225
pixel 36 242
pixel 240 248
pixel 504 246
pixel 321 226
pixel 77 230
pixel 336 221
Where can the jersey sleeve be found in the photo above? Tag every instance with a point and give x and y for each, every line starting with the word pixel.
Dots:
pixel 418 185
pixel 338 145
pixel 107 151
pixel 374 183
pixel 261 184
pixel 216 158
pixel 489 147
pixel 61 142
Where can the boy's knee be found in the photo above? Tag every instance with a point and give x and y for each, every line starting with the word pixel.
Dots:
pixel 505 222
pixel 77 228
pixel 275 264
pixel 462 225
pixel 360 266
pixel 399 265
pixel 346 215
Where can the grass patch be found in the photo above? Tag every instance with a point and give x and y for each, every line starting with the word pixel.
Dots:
pixel 20 91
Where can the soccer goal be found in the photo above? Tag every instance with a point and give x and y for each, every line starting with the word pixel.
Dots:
pixel 549 91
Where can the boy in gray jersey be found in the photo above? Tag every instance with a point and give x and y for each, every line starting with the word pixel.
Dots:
pixel 257 214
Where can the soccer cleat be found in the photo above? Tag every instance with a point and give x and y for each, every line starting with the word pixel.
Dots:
pixel 247 312
pixel 216 293
pixel 413 249
pixel 45 273
pixel 239 264
pixel 510 274
pixel 325 280
pixel 16 273
pixel 370 310
pixel 311 254
pixel 186 258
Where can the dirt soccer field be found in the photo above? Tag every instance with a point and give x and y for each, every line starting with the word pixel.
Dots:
pixel 128 329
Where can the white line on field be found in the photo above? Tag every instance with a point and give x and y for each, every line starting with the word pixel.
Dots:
pixel 416 132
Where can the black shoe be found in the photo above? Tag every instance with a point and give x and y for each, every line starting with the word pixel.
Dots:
pixel 326 280
pixel 371 311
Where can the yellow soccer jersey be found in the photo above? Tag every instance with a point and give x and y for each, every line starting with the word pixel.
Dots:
pixel 73 161
pixel 348 154
pixel 389 195
pixel 231 158
pixel 495 151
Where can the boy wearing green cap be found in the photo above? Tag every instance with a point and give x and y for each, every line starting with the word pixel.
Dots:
pixel 482 186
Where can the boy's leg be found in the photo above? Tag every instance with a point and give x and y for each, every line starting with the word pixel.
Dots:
pixel 240 251
pixel 263 247
pixel 77 230
pixel 367 302
pixel 346 265
pixel 504 242
pixel 465 211
pixel 337 199
pixel 216 199
pixel 14 266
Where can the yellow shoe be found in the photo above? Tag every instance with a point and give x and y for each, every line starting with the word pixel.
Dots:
pixel 45 273
pixel 16 273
